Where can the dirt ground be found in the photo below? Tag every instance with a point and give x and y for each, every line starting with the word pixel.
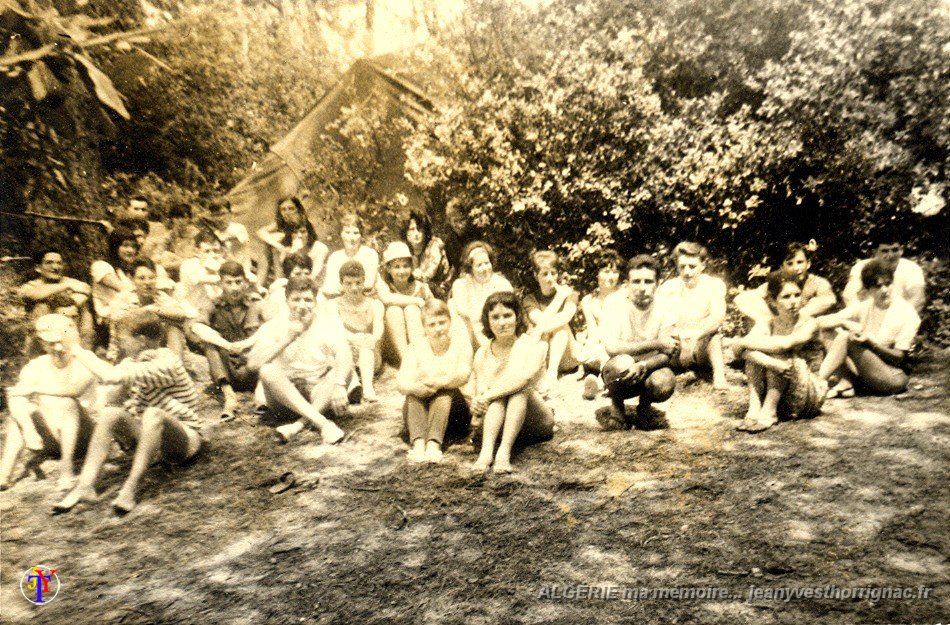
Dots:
pixel 857 497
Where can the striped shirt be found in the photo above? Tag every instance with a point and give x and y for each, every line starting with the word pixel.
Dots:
pixel 156 378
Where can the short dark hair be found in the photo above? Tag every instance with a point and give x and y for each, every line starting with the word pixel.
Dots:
pixel 509 300
pixel 232 268
pixel 643 261
pixel 298 284
pixel 116 238
pixel 873 272
pixel 542 259
pixel 180 209
pixel 297 259
pixel 352 269
pixel 205 235
pixel 777 280
pixel 610 258
pixel 691 248
pixel 141 322
pixel 793 248
pixel 41 254
pixel 471 247
pixel 141 261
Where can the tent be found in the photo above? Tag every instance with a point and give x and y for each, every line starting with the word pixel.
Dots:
pixel 284 172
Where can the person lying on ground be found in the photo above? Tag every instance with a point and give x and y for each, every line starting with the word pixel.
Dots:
pixel 158 417
pixel 172 312
pixel 781 386
pixel 304 364
pixel 696 302
pixel 431 262
pixel 592 354
pixel 199 284
pixel 296 265
pixel 638 338
pixel 817 295
pixel 908 282
pixel 226 332
pixel 52 395
pixel 403 295
pixel 874 335
pixel 472 288
pixel 50 282
pixel 503 400
pixel 351 234
pixel 434 369
pixel 363 320
pixel 550 307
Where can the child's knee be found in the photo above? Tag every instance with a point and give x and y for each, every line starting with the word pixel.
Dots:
pixel 268 373
pixel 152 418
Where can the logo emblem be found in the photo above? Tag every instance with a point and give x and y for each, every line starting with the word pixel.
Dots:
pixel 39 585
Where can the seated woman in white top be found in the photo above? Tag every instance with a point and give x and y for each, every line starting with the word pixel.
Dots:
pixel 112 276
pixel 433 369
pixel 477 282
pixel 351 234
pixel 817 295
pixel 873 338
pixel 403 296
pixel 502 388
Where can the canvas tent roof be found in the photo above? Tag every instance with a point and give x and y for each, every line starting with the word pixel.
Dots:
pixel 282 173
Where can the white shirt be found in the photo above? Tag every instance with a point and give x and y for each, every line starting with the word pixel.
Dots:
pixel 199 295
pixel 908 277
pixel 897 327
pixel 365 256
pixel 622 322
pixel 102 295
pixel 468 297
pixel 312 354
pixel 689 307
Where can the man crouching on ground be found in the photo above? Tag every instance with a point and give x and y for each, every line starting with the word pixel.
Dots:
pixel 51 393
pixel 158 417
pixel 639 346
pixel 304 364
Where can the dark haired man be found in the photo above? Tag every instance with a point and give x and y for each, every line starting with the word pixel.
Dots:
pixel 51 282
pixel 635 334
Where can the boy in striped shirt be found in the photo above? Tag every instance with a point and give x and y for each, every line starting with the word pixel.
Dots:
pixel 158 417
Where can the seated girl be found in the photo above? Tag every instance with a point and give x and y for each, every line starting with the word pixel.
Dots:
pixel 593 354
pixel 403 295
pixel 433 370
pixel 550 306
pixel 477 282
pixel 431 262
pixel 780 382
pixel 817 295
pixel 113 276
pixel 502 388
pixel 351 234
pixel 291 232
pixel 873 337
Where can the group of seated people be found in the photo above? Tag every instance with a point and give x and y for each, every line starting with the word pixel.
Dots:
pixel 477 359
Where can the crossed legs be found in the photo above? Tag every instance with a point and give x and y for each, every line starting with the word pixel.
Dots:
pixel 283 395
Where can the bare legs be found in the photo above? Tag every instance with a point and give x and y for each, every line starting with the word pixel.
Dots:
pixel 62 417
pixel 766 388
pixel 848 360
pixel 282 393
pixel 404 326
pixel 504 416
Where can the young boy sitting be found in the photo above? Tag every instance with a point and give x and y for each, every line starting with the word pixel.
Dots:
pixel 696 303
pixel 52 392
pixel 550 308
pixel 873 337
pixel 158 417
pixel 304 364
pixel 226 332
pixel 639 345
pixel 364 321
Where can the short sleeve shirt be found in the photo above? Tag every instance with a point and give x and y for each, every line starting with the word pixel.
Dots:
pixel 897 328
pixel 41 376
pixel 236 322
pixel 622 322
pixel 102 295
pixel 690 306
pixel 907 275
pixel 313 353
pixel 156 378
pixel 365 256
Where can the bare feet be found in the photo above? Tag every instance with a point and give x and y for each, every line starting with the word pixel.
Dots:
pixel 370 396
pixel 124 503
pixel 502 467
pixel 287 431
pixel 481 465
pixel 331 433
pixel 80 493
pixel 65 482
